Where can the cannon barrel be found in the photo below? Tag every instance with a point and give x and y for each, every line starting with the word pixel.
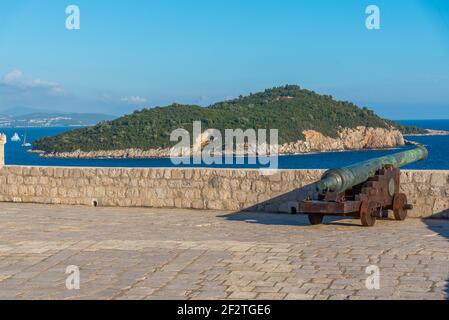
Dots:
pixel 339 180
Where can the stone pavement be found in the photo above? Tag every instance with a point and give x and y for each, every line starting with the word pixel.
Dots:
pixel 178 254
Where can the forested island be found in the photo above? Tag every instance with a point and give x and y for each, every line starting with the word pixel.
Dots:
pixel 305 121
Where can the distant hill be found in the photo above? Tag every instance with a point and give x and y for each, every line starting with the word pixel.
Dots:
pixel 52 119
pixel 21 110
pixel 290 109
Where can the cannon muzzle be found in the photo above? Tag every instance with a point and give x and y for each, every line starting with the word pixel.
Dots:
pixel 339 180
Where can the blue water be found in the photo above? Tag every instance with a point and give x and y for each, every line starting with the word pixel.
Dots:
pixel 438 147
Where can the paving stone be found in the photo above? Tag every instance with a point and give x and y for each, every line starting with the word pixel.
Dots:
pixel 134 254
pixel 299 296
pixel 271 296
pixel 243 295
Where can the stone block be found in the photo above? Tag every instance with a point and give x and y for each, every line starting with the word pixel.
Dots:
pixel 421 176
pixel 439 179
pixel 214 205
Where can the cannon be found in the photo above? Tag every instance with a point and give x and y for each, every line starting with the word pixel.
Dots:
pixel 365 190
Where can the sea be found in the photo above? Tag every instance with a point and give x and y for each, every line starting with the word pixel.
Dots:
pixel 438 146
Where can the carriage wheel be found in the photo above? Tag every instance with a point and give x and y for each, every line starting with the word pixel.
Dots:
pixel 316 219
pixel 399 207
pixel 367 211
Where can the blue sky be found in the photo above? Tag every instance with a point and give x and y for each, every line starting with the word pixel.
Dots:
pixel 134 54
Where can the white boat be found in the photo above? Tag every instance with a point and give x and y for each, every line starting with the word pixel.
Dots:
pixel 25 143
pixel 15 137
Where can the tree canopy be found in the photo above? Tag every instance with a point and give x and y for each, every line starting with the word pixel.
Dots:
pixel 289 109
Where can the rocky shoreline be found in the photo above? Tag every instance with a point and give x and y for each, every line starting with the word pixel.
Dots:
pixel 430 132
pixel 348 139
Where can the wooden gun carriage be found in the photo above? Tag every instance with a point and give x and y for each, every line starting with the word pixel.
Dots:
pixel 366 190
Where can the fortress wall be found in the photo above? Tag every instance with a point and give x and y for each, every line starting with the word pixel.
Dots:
pixel 2 149
pixel 216 189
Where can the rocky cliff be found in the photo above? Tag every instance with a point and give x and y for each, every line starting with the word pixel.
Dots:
pixel 348 139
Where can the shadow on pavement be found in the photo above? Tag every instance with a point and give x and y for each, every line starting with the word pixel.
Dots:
pixel 442 230
pixel 286 219
pixel 267 213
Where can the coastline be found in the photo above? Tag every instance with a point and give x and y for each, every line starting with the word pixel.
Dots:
pixel 430 133
pixel 313 144
pixel 355 139
pixel 75 156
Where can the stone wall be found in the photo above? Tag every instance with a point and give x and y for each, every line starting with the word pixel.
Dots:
pixel 216 189
pixel 2 149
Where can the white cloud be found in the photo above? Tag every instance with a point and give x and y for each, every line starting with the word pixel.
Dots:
pixel 13 77
pixel 16 79
pixel 134 100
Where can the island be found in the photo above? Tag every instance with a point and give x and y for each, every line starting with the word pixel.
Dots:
pixel 49 119
pixel 307 122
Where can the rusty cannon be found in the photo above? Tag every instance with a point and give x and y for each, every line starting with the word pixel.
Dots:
pixel 365 190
